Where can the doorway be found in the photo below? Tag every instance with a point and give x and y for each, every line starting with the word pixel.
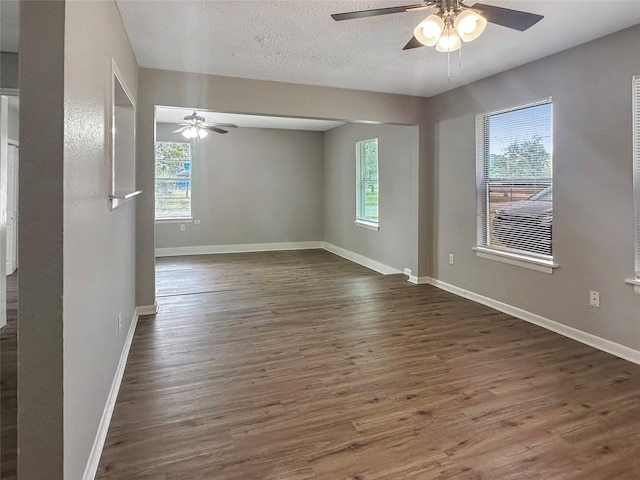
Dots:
pixel 9 161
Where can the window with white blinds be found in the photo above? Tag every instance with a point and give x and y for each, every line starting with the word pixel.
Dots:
pixel 514 174
pixel 636 172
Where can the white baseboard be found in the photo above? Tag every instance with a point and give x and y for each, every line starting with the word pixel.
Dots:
pixel 147 309
pixel 419 280
pixel 240 248
pixel 360 259
pixel 101 436
pixel 594 341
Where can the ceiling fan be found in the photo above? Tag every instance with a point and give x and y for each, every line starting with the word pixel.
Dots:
pixel 453 23
pixel 196 127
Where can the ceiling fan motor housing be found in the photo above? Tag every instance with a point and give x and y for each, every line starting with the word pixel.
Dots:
pixel 194 117
pixel 449 6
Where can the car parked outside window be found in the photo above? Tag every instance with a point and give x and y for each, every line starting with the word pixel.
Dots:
pixel 527 224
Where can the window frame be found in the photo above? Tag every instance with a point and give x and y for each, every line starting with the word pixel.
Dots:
pixel 635 280
pixel 175 219
pixel 360 221
pixel 483 247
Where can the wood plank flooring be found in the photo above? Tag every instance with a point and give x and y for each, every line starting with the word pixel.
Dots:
pixel 302 365
pixel 9 384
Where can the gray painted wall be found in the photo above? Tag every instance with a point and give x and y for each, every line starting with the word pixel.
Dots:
pixel 8 70
pixel 593 195
pixel 99 244
pixel 395 243
pixel 40 329
pixel 77 258
pixel 251 185
pixel 236 95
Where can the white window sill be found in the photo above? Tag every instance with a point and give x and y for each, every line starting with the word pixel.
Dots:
pixel 369 225
pixel 531 263
pixel 175 220
pixel 635 283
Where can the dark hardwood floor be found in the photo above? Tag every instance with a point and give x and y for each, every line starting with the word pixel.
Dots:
pixel 302 365
pixel 9 384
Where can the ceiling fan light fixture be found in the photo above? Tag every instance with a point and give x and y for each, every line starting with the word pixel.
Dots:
pixel 194 132
pixel 429 30
pixel 469 25
pixel 449 41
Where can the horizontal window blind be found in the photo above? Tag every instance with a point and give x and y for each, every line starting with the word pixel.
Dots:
pixel 636 170
pixel 514 173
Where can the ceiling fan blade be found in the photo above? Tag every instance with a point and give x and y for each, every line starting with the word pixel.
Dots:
pixel 508 18
pixel 213 129
pixel 181 129
pixel 223 125
pixel 372 13
pixel 413 43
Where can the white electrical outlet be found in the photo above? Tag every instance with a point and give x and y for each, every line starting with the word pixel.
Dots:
pixel 594 298
pixel 451 259
pixel 197 222
pixel 119 322
pixel 183 227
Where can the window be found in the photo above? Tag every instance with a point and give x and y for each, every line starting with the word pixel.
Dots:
pixel 514 182
pixel 367 182
pixel 173 180
pixel 636 178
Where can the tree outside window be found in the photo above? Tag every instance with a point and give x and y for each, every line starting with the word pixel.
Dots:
pixel 173 180
pixel 367 181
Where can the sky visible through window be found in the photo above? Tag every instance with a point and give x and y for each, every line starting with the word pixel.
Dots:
pixel 521 125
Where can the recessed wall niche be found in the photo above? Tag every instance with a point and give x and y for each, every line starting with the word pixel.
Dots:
pixel 123 141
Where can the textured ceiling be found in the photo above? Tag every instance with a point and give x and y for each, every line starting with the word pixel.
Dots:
pixel 297 41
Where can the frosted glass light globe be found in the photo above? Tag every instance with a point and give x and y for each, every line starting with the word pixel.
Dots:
pixel 449 41
pixel 469 25
pixel 429 30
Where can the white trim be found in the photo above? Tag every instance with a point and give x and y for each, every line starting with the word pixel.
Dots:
pixel 361 259
pixel 116 192
pixel 608 346
pixel 419 280
pixel 12 92
pixel 240 248
pixel 635 283
pixel 514 108
pixel 368 225
pixel 537 264
pixel 174 220
pixel 126 195
pixel 103 428
pixel 147 309
pixel 636 177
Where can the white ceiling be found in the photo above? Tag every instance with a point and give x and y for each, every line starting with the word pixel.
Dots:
pixel 297 41
pixel 176 115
